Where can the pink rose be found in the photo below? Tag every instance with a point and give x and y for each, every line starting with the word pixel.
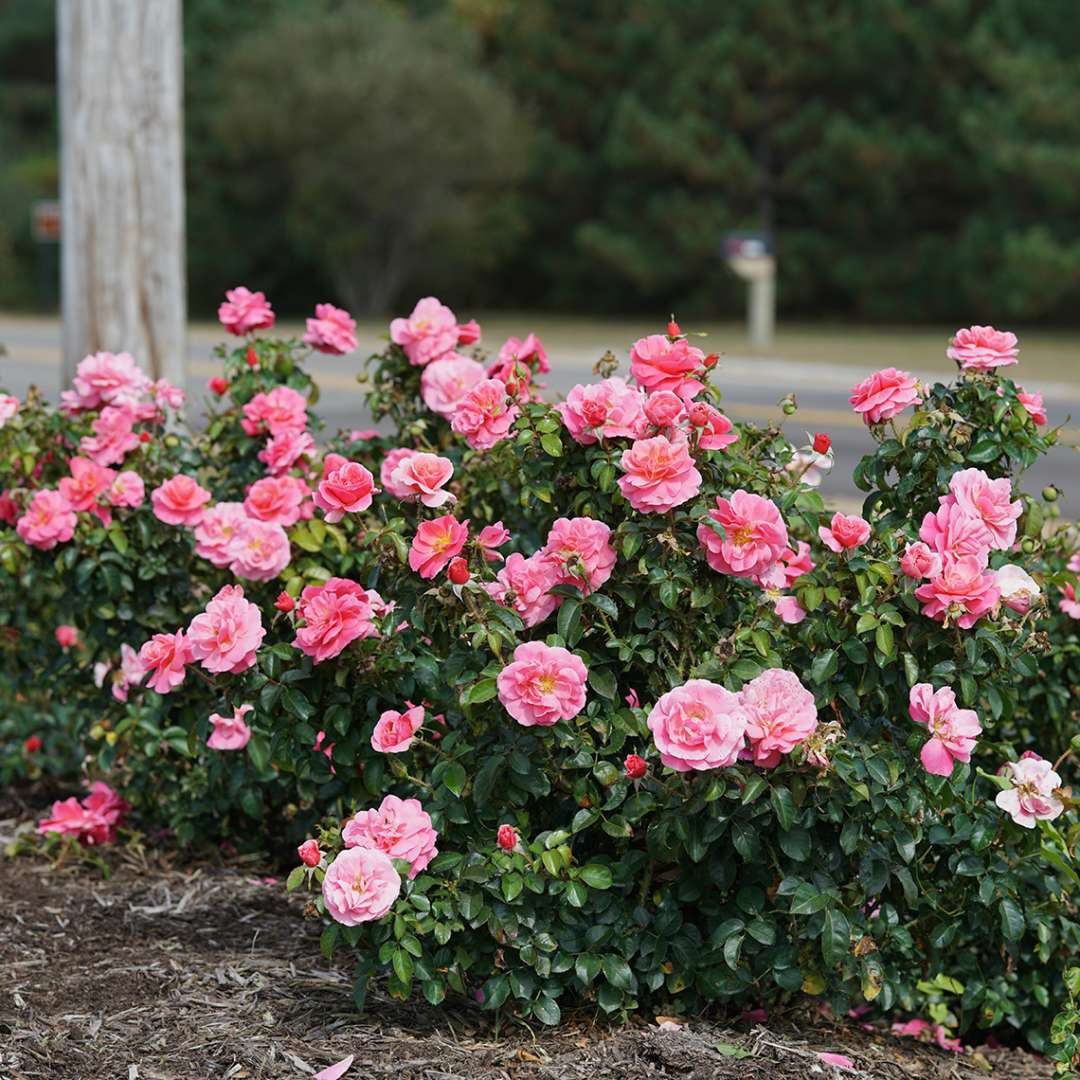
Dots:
pixel 276 499
pixel 227 634
pixel 281 411
pixel 603 410
pixel 468 333
pixel 394 731
pixel 165 657
pixel 491 537
pixel 283 451
pixel 48 521
pixel 953 729
pixel 513 351
pixel 334 615
pixel 346 488
pixel 659 475
pixel 953 533
pixel 423 477
pixel 780 714
pixel 1019 590
pixel 360 886
pixel 86 484
pixel 484 415
pixel 658 363
pixel 67 637
pixel 844 533
pixel 919 561
pixel 755 535
pixel 430 333
pixel 113 438
pixel 1033 404
pixel 106 377
pixel 436 543
pixel 982 348
pixel 699 725
pixel 962 592
pixel 131 673
pixel 179 501
pixel 333 330
pixel 989 500
pixel 243 311
pixel 259 550
pixel 444 383
pixel 126 489
pixel 389 465
pixel 9 406
pixel 664 409
pixel 93 821
pixel 717 431
pixel 525 585
pixel 1071 604
pixel 789 609
pixel 886 394
pixel 230 732
pixel 1074 562
pixel 581 550
pixel 400 828
pixel 216 532
pixel 543 684
pixel 308 853
pixel 1031 797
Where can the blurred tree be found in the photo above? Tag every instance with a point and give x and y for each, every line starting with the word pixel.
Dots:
pixel 391 148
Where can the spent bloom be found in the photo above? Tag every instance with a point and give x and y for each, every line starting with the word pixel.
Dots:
pixel 243 311
pixel 754 537
pixel 543 684
pixel 227 634
pixel 333 330
pixel 780 714
pixel 360 886
pixel 1031 797
pixel 230 732
pixel 699 725
pixel 1019 590
pixel 885 394
pixel 659 474
pixel 436 543
pixel 844 532
pixel 400 827
pixel 982 348
pixel 394 730
pixel 953 730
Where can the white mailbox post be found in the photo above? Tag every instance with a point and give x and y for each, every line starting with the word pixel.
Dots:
pixel 750 256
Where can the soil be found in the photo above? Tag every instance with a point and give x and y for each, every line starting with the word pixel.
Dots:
pixel 163 971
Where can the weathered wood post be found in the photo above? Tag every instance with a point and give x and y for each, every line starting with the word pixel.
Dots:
pixel 122 182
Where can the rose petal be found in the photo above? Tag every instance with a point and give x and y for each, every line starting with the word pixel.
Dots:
pixel 332 1072
pixel 838 1060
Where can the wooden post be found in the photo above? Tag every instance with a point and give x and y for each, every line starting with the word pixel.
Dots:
pixel 123 283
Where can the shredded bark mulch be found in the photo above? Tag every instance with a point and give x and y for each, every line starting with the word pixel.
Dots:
pixel 166 972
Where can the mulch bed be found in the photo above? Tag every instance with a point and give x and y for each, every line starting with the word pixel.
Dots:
pixel 168 972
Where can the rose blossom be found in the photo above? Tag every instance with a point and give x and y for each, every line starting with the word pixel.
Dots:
pixel 104 377
pixel 259 551
pixel 468 332
pixel 780 714
pixel 400 827
pixel 47 521
pixel 717 431
pixel 429 333
pixel 227 634
pixel 66 636
pixel 605 410
pixel 699 725
pixel 423 476
pixel 335 615
pixel 86 484
pixel 484 415
pixel 953 729
pixel 808 466
pixel 243 311
pixel 962 591
pixel 529 353
pixel 276 499
pixel 93 821
pixel 346 487
pixel 982 348
pixel 844 533
pixel 789 610
pixel 491 537
pixel 131 673
pixel 755 535
pixel 525 585
pixel 386 470
pixel 283 451
pixel 1071 604
pixel 280 411
pixel 113 437
pixel 127 489
pixel 9 406
pixel 444 383
pixel 658 363
pixel 953 532
pixel 230 732
pixel 1033 404
pixel 1018 588
pixel 333 330
pixel 507 837
pixel 1074 562
pixel 990 501
pixel 659 475
pixel 885 394
pixel 664 409
pixel 543 684
pixel 165 657
pixel 308 853
pixel 216 532
pixel 581 550
pixel 436 543
pixel 179 501
pixel 1031 797
pixel 360 886
pixel 394 731
pixel 919 561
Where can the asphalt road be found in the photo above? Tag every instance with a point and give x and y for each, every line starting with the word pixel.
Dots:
pixel 752 386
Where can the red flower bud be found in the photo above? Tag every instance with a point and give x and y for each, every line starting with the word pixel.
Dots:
pixel 711 361
pixel 636 767
pixel 252 357
pixel 284 602
pixel 673 329
pixel 32 744
pixel 458 571
pixel 309 853
pixel 508 837
pixel 822 442
pixel 218 384
pixel 144 436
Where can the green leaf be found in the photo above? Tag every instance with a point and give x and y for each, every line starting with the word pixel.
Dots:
pixel 552 444
pixel 546 1009
pixel 259 751
pixel 883 638
pixel 402 964
pixel 783 806
pixel 295 878
pixel 454 778
pixel 596 876
pixel 1012 919
pixel 569 622
pixel 824 666
pixel 617 972
pixel 479 692
pixel 835 937
pixel 602 680
pixel 754 787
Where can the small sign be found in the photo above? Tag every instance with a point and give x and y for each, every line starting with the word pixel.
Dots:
pixel 45 221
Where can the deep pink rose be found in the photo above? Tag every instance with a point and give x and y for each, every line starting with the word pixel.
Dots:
pixel 717 431
pixel 360 886
pixel 699 725
pixel 283 451
pixel 243 311
pixel 755 535
pixel 953 729
pixel 886 394
pixel 386 470
pixel 309 853
pixel 87 485
pixel 1070 605
pixel 334 615
pixel 346 488
pixel 333 330
pixel 279 412
pixel 780 714
pixel 179 501
pixel 982 348
pixel 491 537
pixel 659 475
pixel 165 657
pixel 1033 404
pixel 543 684
pixel 484 415
pixel 436 543
pixel 400 827
pixel 67 637
pixel 394 730
pixel 844 533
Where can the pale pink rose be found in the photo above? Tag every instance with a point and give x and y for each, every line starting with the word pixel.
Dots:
pixel 844 533
pixel 243 311
pixel 131 673
pixel 165 394
pixel 1031 797
pixel 1033 404
pixel 717 431
pixel 982 348
pixel 444 383
pixel 106 377
pixel 1019 590
pixel 989 500
pixel 1071 604
pixel 227 634
pixel 699 725
pixel 491 537
pixel 179 501
pixel 423 476
pixel 386 470
pixel 67 637
pixel 216 532
pixel 789 609
pixel 664 409
pixel 962 592
pixel 346 488
pixel 581 549
pixel 605 410
pixel 259 551
pixel 952 532
pixel 360 886
pixel 658 363
pixel 953 730
pixel 86 485
pixel 543 685
pixel 394 731
pixel 525 585
pixel 755 535
pixel 780 714
pixel 400 828
pixel 430 333
pixel 48 521
pixel 920 561
pixel 278 412
pixel 659 475
pixel 333 330
pixel 334 615
pixel 165 657
pixel 230 732
pixel 436 543
pixel 809 467
pixel 484 415
pixel 9 406
pixel 127 489
pixel 113 438
pixel 276 499
pixel 283 451
pixel 886 394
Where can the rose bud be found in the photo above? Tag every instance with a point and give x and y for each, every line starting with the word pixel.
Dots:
pixel 284 602
pixel 144 436
pixel 508 837
pixel 309 853
pixel 822 442
pixel 458 571
pixel 252 357
pixel 218 384
pixel 711 361
pixel 33 744
pixel 636 767
pixel 673 329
